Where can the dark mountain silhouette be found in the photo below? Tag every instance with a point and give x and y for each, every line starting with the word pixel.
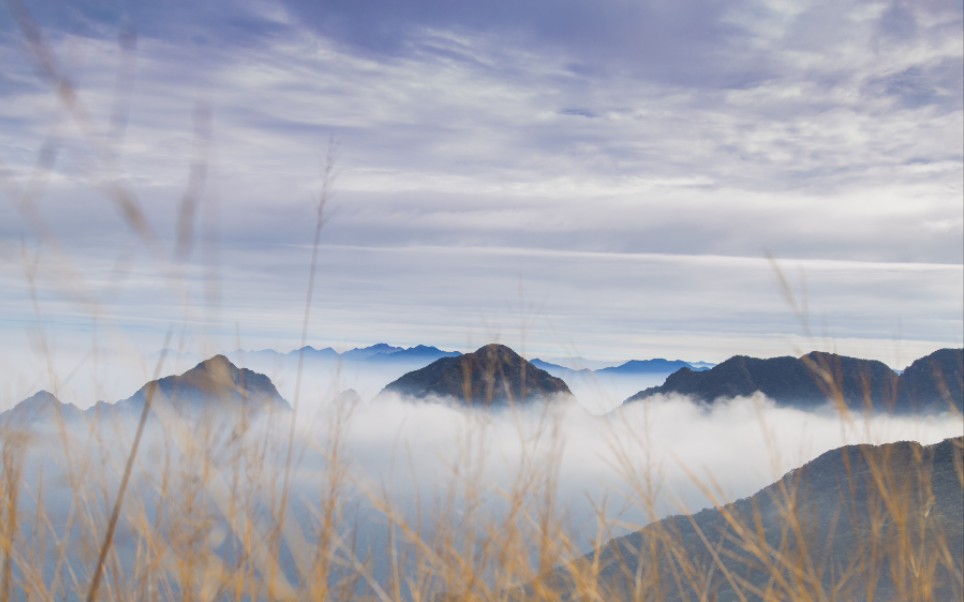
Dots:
pixel 214 385
pixel 934 382
pixel 930 383
pixel 807 381
pixel 859 522
pixel 41 407
pixel 492 375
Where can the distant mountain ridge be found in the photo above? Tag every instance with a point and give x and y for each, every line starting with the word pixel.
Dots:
pixel 650 367
pixel 379 352
pixel 370 368
pixel 860 521
pixel 384 352
pixel 931 383
pixel 653 366
pixel 493 375
pixel 559 370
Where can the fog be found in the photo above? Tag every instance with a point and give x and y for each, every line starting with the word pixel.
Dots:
pixel 678 446
pixel 434 466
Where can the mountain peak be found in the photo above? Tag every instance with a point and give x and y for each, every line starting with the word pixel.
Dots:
pixel 39 399
pixel 217 362
pixel 41 406
pixel 492 375
pixel 214 383
pixel 498 350
pixel 934 382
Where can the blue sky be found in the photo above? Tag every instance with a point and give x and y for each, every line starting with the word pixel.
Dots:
pixel 604 179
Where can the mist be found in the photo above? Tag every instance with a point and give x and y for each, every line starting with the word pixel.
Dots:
pixel 671 448
pixel 435 467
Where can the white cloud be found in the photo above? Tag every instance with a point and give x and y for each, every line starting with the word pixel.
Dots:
pixel 436 463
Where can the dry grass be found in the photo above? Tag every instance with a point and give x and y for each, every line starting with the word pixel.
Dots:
pixel 208 516
pixel 202 513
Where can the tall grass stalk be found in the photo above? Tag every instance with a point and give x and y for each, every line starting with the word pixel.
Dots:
pixel 206 517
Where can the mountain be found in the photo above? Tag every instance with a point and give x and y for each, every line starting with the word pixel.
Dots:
pixel 560 371
pixel 933 382
pixel 807 381
pixel 603 389
pixel 419 353
pixel 310 352
pixel 859 522
pixel 701 365
pixel 213 385
pixel 367 352
pixel 492 375
pixel 40 407
pixel 378 353
pixel 653 366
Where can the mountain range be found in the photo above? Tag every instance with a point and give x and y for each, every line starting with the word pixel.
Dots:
pixel 380 353
pixel 859 522
pixel 369 369
pixel 213 386
pixel 931 383
pixel 495 375
pixel 657 366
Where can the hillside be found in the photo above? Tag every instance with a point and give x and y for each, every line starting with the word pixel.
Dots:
pixel 859 522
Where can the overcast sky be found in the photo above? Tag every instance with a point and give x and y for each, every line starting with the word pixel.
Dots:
pixel 597 178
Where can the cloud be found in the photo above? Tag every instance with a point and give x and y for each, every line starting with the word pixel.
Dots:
pixel 818 134
pixel 443 467
pixel 413 450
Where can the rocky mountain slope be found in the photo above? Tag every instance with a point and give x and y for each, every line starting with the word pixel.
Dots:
pixel 859 522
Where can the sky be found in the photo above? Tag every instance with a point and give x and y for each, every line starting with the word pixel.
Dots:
pixel 604 179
